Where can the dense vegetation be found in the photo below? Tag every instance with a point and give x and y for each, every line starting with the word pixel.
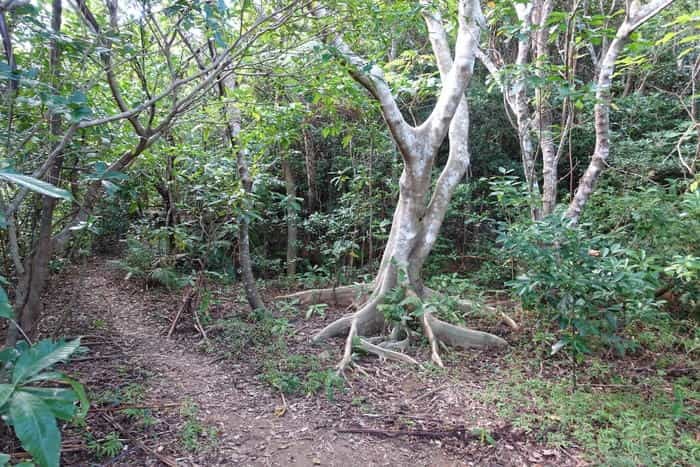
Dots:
pixel 318 148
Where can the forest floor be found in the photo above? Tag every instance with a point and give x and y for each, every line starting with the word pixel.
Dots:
pixel 186 401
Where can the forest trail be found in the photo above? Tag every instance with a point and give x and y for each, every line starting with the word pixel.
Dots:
pixel 246 413
pixel 238 406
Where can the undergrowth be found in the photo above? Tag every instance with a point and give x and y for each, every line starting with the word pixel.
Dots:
pixel 648 422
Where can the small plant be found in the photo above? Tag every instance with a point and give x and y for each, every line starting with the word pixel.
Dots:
pixel 109 446
pixel 99 324
pixel 287 307
pixel 327 380
pixel 301 374
pixel 195 436
pixel 30 407
pixel 319 309
pixel 143 417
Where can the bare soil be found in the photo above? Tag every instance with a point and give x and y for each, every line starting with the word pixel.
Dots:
pixel 392 415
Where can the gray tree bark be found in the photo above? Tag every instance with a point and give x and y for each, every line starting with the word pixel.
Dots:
pixel 419 213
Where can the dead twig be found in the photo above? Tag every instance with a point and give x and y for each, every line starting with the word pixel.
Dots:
pixel 139 406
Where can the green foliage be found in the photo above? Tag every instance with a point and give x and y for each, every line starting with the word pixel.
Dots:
pixel 109 446
pixel 301 374
pixel 31 408
pixel 590 286
pixel 35 185
pixel 195 436
pixel 259 331
pixel 662 221
pixel 141 261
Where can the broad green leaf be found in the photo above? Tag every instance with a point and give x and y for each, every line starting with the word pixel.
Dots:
pixel 35 185
pixel 8 355
pixel 6 391
pixel 5 307
pixel 41 356
pixel 61 401
pixel 78 388
pixel 35 426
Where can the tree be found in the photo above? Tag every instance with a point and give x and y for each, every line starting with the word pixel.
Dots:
pixel 538 77
pixel 420 211
pixel 160 84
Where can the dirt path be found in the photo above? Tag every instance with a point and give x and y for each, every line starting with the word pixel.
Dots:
pixel 245 412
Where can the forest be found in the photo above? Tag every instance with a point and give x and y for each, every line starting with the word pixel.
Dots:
pixel 349 232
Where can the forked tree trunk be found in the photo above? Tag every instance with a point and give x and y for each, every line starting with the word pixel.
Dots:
pixel 419 213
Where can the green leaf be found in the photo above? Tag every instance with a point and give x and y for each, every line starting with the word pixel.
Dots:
pixel 8 355
pixel 5 307
pixel 80 394
pixel 6 391
pixel 35 185
pixel 60 401
pixel 35 426
pixel 41 356
pixel 4 459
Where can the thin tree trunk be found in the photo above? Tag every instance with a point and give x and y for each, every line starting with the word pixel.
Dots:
pixel 32 281
pixel 550 159
pixel 290 186
pixel 233 129
pixel 310 161
pixel 246 264
pixel 633 19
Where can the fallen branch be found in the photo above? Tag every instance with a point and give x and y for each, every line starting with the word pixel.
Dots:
pixel 461 433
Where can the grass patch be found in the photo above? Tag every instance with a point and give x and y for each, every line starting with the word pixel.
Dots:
pixel 649 423
pixel 259 332
pixel 301 374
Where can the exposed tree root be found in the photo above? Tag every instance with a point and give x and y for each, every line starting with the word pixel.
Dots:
pixel 457 336
pixel 427 328
pixel 384 353
pixel 344 295
pixel 366 320
pixel 467 306
pixel 369 321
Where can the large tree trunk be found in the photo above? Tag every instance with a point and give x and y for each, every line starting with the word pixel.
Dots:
pixel 419 213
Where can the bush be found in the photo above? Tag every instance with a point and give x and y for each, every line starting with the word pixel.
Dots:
pixel 588 284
